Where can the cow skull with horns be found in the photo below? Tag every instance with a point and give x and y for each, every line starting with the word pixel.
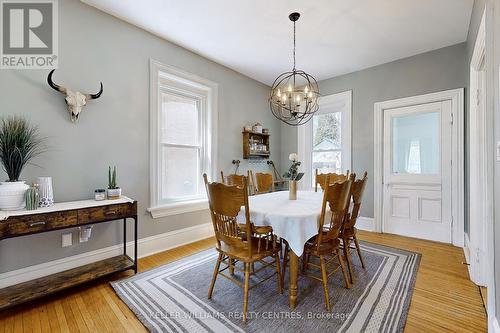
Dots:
pixel 74 99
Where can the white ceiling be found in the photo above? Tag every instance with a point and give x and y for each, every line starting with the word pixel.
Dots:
pixel 334 37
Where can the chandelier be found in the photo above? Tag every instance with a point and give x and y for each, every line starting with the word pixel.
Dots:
pixel 294 95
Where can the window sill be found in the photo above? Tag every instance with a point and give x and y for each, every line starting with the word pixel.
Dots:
pixel 178 208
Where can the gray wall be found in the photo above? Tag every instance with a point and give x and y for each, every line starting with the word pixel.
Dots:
pixel 114 130
pixel 433 71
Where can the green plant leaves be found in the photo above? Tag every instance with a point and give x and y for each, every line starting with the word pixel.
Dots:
pixel 20 143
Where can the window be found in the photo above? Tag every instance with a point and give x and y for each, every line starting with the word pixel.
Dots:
pixel 325 141
pixel 183 139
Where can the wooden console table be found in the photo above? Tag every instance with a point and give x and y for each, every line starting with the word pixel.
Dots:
pixel 62 216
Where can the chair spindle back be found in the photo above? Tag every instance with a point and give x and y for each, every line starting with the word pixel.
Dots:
pixel 336 196
pixel 233 179
pixel 225 202
pixel 333 178
pixel 357 190
pixel 264 182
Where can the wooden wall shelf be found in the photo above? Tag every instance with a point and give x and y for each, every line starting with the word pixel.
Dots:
pixel 251 142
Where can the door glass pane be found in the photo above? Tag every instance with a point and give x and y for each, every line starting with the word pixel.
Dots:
pixel 416 143
pixel 180 172
pixel 326 131
pixel 179 123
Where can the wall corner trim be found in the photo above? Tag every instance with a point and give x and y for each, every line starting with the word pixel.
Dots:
pixel 146 247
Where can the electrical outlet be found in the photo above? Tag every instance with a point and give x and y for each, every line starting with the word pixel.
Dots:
pixel 85 233
pixel 67 240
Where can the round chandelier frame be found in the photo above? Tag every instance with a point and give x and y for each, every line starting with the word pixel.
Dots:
pixel 294 95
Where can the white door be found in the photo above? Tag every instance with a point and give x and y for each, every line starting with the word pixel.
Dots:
pixel 417 171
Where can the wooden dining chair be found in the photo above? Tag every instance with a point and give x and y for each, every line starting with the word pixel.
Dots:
pixel 264 183
pixel 236 242
pixel 348 233
pixel 232 179
pixel 333 177
pixel 326 245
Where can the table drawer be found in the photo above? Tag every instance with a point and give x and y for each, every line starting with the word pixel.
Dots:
pixel 105 213
pixel 22 225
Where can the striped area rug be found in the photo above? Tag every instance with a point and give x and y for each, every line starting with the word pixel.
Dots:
pixel 173 297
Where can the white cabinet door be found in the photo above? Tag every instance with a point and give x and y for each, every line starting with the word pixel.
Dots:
pixel 417 171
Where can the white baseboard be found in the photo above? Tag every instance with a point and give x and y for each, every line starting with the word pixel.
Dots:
pixel 365 223
pixel 146 246
pixel 467 255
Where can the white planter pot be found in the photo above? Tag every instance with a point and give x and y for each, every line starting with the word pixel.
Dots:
pixel 114 193
pixel 12 195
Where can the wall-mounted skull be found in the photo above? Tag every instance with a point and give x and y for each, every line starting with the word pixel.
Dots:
pixel 75 100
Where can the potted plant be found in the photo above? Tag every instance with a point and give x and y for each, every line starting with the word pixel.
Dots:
pixel 114 191
pixel 293 176
pixel 20 143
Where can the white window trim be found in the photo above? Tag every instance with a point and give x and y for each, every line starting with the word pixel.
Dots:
pixel 172 75
pixel 304 136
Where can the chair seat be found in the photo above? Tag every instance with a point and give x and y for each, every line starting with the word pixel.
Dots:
pixel 347 233
pixel 324 248
pixel 242 253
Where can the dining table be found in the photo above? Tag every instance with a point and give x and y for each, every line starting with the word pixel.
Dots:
pixel 295 221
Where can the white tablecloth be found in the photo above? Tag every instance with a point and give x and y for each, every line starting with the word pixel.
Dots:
pixel 296 221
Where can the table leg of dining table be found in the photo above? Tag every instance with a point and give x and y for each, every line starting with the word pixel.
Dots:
pixel 292 285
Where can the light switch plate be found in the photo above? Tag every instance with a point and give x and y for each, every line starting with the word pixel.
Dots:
pixel 67 240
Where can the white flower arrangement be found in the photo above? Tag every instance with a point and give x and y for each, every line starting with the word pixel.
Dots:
pixel 292 172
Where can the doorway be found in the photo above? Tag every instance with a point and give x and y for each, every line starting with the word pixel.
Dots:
pixel 418 169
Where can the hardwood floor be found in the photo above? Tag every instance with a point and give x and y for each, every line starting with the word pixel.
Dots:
pixel 444 298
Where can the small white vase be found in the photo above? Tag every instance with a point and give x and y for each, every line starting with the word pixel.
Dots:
pixel 46 191
pixel 12 195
